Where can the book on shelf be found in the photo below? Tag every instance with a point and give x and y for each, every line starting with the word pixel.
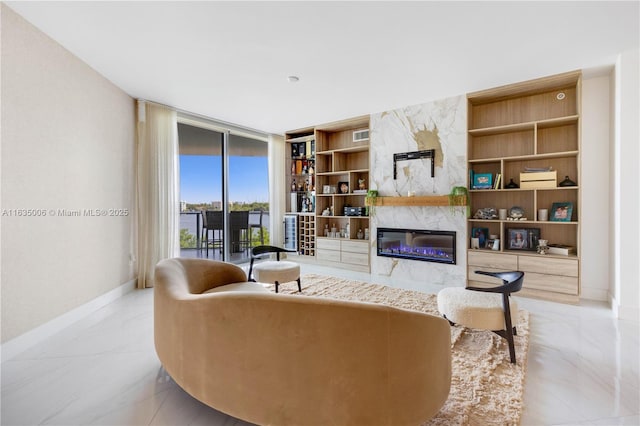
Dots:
pixel 561 249
pixel 498 178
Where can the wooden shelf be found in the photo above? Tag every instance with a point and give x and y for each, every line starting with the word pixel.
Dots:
pixel 427 200
pixel 510 128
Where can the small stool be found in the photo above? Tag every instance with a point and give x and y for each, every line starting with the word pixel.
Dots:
pixel 273 271
pixel 277 272
pixel 476 307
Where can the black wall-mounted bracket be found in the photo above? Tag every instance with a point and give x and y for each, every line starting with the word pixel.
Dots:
pixel 414 155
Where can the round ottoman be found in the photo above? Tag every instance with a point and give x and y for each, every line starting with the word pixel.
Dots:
pixel 277 272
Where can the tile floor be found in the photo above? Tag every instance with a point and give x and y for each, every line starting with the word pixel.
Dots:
pixel 583 369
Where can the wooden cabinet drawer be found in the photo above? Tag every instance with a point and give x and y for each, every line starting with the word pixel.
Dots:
pixel 356 246
pixel 328 243
pixel 549 265
pixel 328 255
pixel 484 278
pixel 555 283
pixel 505 262
pixel 355 258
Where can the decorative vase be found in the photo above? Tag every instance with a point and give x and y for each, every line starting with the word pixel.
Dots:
pixel 567 182
pixel 511 184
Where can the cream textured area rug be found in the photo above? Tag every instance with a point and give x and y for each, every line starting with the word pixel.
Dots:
pixel 486 389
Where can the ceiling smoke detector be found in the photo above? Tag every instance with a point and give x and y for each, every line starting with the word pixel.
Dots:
pixel 293 79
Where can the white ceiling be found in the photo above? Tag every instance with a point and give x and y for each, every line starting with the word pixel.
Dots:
pixel 230 60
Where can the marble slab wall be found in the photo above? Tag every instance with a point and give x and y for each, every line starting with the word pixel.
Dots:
pixel 439 125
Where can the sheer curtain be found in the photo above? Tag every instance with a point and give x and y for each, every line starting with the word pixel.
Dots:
pixel 157 188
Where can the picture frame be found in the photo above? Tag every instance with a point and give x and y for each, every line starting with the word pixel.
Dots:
pixel 482 234
pixel 482 181
pixel 518 239
pixel 343 187
pixel 561 212
pixel 523 238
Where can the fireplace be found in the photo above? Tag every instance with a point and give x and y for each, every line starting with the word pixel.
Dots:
pixel 418 244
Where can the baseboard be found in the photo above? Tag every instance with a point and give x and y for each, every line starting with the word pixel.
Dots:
pixel 622 312
pixel 19 344
pixel 597 294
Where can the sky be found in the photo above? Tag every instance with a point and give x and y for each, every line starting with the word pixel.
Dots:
pixel 201 177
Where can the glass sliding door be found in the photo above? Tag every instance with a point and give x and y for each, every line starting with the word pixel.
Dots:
pixel 201 191
pixel 248 192
pixel 224 208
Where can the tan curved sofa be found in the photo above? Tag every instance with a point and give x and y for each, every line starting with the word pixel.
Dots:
pixel 277 359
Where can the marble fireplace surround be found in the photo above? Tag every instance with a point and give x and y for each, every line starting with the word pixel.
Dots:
pixel 439 125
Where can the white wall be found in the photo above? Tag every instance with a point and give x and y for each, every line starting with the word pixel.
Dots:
pixel 626 187
pixel 67 143
pixel 595 209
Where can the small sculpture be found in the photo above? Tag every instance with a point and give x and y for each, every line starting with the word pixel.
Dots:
pixel 543 248
pixel 516 212
pixel 487 213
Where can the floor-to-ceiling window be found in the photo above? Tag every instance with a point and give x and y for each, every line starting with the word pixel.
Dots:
pixel 224 199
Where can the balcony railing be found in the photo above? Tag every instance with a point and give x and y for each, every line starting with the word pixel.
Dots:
pixel 192 244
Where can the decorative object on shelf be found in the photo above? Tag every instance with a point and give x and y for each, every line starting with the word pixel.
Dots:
pixel 326 212
pixel 458 196
pixel 543 215
pixel 326 228
pixel 502 214
pixel 407 173
pixel 518 239
pixel 567 182
pixel 516 213
pixel 354 211
pixel 543 248
pixel 294 187
pixel 487 213
pixel 360 234
pixel 511 185
pixel 561 212
pixel 366 233
pixel 538 179
pixel 496 244
pixel 343 187
pixel 523 238
pixel 370 201
pixel 329 189
pixel 475 243
pixel 414 155
pixel 482 181
pixel 361 185
pixel 482 234
pixel 561 249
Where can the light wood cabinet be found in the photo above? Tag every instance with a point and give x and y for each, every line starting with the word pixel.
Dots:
pixel 512 129
pixel 350 254
pixel 339 179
